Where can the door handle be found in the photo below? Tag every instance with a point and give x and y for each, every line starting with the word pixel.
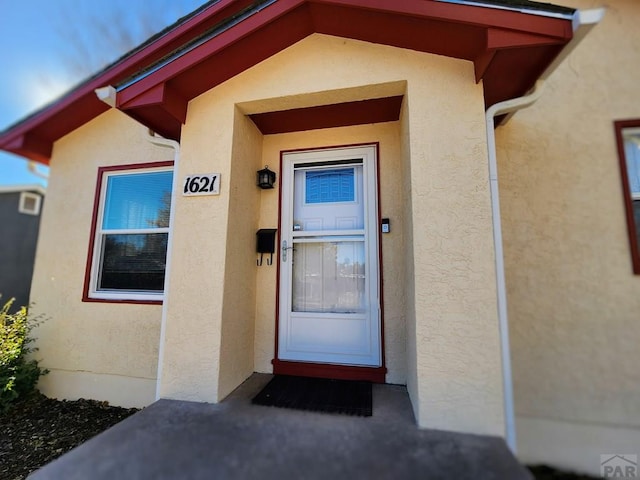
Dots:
pixel 284 250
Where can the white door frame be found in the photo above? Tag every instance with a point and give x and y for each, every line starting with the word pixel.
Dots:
pixel 371 353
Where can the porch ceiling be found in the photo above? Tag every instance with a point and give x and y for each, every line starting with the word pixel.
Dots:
pixel 509 49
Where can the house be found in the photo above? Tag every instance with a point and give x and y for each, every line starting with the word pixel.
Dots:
pixel 20 208
pixel 491 270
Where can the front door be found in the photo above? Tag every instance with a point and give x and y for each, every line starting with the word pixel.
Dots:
pixel 329 309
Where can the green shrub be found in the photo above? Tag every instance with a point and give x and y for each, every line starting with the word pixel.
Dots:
pixel 18 374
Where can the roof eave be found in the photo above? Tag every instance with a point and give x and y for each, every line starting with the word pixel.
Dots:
pixel 489 38
pixel 545 10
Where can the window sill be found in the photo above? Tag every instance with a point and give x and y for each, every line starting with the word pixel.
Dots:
pixel 133 301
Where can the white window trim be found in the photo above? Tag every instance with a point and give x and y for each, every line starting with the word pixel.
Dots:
pixel 120 295
pixel 22 208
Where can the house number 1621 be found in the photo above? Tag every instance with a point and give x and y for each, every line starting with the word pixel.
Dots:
pixel 201 184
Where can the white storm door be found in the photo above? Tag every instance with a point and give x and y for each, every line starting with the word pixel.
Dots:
pixel 329 282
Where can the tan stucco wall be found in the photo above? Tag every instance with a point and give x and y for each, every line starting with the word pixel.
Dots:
pixel 456 379
pixel 238 313
pixel 99 350
pixel 409 255
pixel 459 374
pixel 219 312
pixel 574 303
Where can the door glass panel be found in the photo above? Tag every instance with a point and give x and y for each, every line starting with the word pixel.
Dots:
pixel 330 186
pixel 328 199
pixel 329 277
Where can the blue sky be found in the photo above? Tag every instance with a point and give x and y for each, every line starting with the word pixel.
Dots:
pixel 42 40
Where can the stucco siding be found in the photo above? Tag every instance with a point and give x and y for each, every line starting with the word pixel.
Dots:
pixel 457 369
pixel 574 302
pixel 191 354
pixel 408 261
pixel 239 307
pixel 457 341
pixel 441 329
pixel 117 343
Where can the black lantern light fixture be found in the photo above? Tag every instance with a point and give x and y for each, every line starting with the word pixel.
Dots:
pixel 266 178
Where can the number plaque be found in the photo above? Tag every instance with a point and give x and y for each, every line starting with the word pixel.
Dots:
pixel 201 184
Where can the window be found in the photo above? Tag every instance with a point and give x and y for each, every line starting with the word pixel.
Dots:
pixel 628 139
pixel 29 203
pixel 330 186
pixel 131 229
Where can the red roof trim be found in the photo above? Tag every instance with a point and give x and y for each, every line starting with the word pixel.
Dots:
pixel 31 146
pixel 121 70
pixel 159 95
pixel 211 48
pixel 482 35
pixel 458 13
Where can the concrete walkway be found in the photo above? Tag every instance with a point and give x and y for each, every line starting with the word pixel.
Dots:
pixel 237 440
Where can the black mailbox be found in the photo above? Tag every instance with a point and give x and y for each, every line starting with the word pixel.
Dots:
pixel 266 243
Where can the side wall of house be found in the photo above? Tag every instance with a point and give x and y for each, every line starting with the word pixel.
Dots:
pixel 574 303
pixel 104 351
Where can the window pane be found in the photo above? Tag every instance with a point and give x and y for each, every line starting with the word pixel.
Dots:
pixel 632 157
pixel 632 151
pixel 328 277
pixel 628 138
pixel 324 186
pixel 133 262
pixel 636 216
pixel 140 200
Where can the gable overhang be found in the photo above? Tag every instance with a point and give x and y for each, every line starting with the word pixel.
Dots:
pixel 510 50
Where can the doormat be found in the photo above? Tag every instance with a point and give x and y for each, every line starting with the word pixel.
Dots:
pixel 318 395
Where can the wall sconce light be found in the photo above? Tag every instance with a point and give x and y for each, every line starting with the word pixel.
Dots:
pixel 266 178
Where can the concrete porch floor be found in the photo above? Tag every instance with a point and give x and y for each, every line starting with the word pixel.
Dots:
pixel 237 440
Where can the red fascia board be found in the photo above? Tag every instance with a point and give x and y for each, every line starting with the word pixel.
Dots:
pixel 123 69
pixel 244 54
pixel 160 95
pixel 325 19
pixel 46 124
pixel 212 71
pixel 210 48
pixel 456 14
pixel 469 14
pixel 32 147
